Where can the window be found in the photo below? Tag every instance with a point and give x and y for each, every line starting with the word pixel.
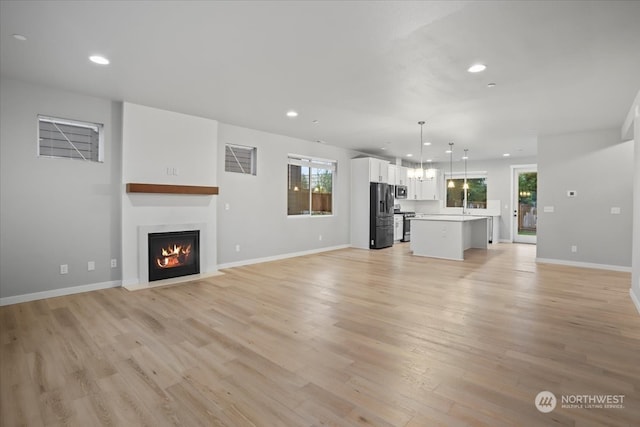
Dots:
pixel 476 195
pixel 71 139
pixel 240 159
pixel 310 186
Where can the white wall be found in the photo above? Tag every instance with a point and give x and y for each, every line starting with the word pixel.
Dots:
pixel 55 211
pixel 635 286
pixel 257 217
pixel 600 169
pixel 154 140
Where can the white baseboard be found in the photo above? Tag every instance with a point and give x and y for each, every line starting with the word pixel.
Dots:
pixel 59 292
pixel 504 241
pixel 584 264
pixel 635 299
pixel 279 257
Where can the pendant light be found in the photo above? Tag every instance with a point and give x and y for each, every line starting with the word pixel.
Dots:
pixel 451 183
pixel 419 173
pixel 466 184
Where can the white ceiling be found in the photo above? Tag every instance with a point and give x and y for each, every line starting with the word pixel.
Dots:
pixel 367 71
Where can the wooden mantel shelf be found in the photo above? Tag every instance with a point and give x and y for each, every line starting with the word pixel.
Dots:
pixel 133 187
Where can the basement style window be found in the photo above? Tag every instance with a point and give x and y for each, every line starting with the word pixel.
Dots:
pixel 70 139
pixel 310 186
pixel 240 159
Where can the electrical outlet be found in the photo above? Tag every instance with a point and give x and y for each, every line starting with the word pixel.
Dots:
pixel 237 248
pixel 320 237
pixel 91 265
pixel 615 211
pixel 574 248
pixel 572 193
pixel 227 206
pixel 64 268
pixel 114 263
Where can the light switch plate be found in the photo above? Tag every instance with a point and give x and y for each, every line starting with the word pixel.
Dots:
pixel 615 211
pixel 549 209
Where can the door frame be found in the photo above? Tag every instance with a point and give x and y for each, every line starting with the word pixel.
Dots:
pixel 515 169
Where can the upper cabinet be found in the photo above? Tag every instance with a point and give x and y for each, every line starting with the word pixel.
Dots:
pixel 378 170
pixel 427 189
pixel 391 177
pixel 401 175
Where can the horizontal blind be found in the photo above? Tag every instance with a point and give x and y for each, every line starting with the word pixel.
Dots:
pixel 68 139
pixel 240 159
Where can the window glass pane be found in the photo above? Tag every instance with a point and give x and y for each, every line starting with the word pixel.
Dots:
pixel 240 159
pixel 69 139
pixel 322 189
pixel 455 195
pixel 476 194
pixel 298 190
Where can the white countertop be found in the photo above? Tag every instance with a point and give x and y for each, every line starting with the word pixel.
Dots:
pixel 451 218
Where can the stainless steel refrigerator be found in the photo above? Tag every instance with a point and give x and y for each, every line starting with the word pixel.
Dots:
pixel 381 215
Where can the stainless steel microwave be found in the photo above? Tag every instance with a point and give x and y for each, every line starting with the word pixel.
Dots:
pixel 401 191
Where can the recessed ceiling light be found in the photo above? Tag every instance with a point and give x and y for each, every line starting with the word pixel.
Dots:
pixel 506 155
pixel 465 157
pixel 20 37
pixel 315 122
pixel 448 151
pixel 409 155
pixel 429 160
pixel 426 143
pixel 292 113
pixel 491 85
pixel 476 68
pixel 383 148
pixel 100 60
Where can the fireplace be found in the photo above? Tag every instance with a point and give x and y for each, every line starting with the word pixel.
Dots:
pixel 173 254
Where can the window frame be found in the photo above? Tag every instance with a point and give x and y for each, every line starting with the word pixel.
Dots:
pixel 318 163
pixel 97 127
pixel 470 175
pixel 254 158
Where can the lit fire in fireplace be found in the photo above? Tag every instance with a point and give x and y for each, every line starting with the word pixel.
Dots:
pixel 175 256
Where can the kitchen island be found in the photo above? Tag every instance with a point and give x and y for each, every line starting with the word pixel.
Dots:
pixel 447 236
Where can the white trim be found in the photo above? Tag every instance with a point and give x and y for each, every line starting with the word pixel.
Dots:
pixel 59 292
pixel 279 257
pixel 136 286
pixel 635 299
pixel 584 264
pixel 504 241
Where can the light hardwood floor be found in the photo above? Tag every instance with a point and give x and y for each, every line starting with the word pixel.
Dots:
pixel 348 337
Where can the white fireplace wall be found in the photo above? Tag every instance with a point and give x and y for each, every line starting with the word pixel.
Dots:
pixel 164 147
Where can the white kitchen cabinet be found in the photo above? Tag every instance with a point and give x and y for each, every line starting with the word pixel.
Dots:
pixel 391 179
pixel 401 175
pixel 427 189
pixel 378 170
pixel 412 189
pixel 398 230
